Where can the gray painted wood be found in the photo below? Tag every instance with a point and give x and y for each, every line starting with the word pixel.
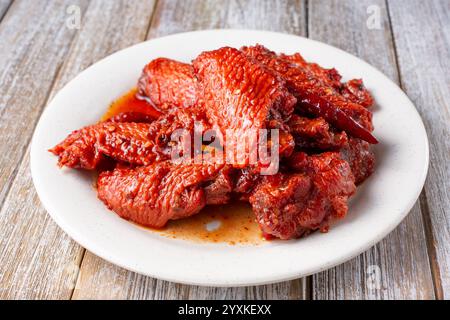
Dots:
pixel 401 258
pixel 38 259
pixel 102 280
pixel 422 39
pixel 33 47
pixel 34 43
pixel 173 16
pixel 40 54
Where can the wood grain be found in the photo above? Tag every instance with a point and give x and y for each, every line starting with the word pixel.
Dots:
pixel 34 44
pixel 38 259
pixel 40 54
pixel 422 38
pixel 401 258
pixel 100 279
pixel 173 16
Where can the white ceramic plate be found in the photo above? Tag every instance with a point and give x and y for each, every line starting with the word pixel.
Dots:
pixel 378 207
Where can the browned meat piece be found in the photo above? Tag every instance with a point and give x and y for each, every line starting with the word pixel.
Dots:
pixel 356 152
pixel 289 205
pixel 352 90
pixel 355 91
pixel 240 96
pixel 278 203
pixel 316 134
pixel 330 77
pixel 168 83
pixel 186 119
pixel 297 161
pixel 317 98
pixel 219 190
pixel 87 147
pixel 134 143
pixel 245 182
pixel 360 157
pixel 152 195
pixel 286 142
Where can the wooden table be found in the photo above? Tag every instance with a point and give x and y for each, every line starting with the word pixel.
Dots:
pixel 42 48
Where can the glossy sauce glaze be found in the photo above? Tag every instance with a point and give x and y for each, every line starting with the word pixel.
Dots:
pixel 129 102
pixel 233 223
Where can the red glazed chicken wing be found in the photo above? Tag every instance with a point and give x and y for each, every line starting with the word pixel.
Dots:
pixel 87 147
pixel 168 83
pixel 289 205
pixel 317 98
pixel 240 95
pixel 134 143
pixel 360 158
pixel 316 134
pixel 352 90
pixel 152 195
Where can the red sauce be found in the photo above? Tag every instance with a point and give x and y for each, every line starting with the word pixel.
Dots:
pixel 232 223
pixel 130 103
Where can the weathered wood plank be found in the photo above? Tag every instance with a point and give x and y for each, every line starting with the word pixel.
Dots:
pixel 401 258
pixel 100 279
pixel 422 38
pixel 38 259
pixel 34 44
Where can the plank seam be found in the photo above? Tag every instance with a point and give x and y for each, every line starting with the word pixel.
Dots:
pixel 155 5
pixel 80 263
pixel 394 45
pixel 423 201
pixel 431 248
pixel 6 11
pixel 306 18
